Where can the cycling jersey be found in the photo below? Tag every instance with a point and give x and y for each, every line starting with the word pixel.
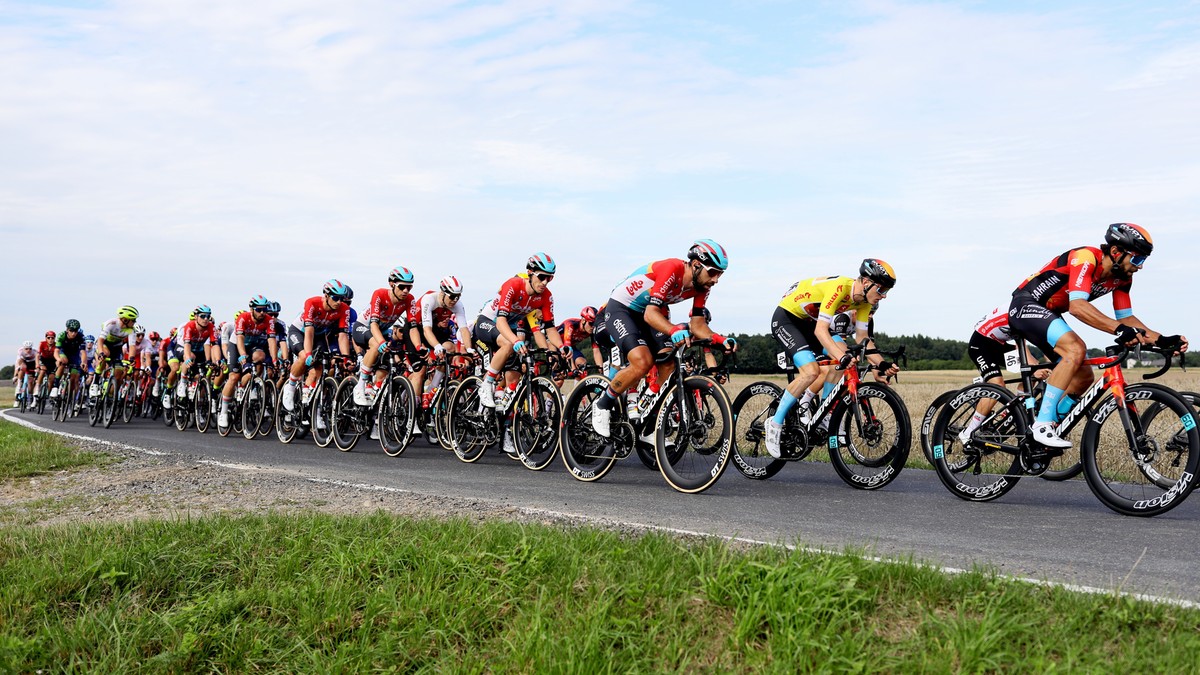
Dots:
pixel 45 350
pixel 113 333
pixel 427 311
pixel 69 345
pixel 322 319
pixel 385 309
pixel 193 334
pixel 660 284
pixel 514 300
pixel 1070 276
pixel 995 325
pixel 820 298
pixel 572 334
pixel 28 356
pixel 253 331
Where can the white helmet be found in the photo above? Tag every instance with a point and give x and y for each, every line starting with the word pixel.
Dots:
pixel 28 344
pixel 139 329
pixel 450 285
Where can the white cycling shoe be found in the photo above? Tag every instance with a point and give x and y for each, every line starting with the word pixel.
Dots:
pixel 1046 433
pixel 602 421
pixel 774 432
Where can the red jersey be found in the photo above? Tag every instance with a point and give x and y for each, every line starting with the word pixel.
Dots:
pixel 46 350
pixel 1070 277
pixel 660 284
pixel 514 301
pixel 323 320
pixel 385 309
pixel 571 332
pixel 245 325
pixel 196 335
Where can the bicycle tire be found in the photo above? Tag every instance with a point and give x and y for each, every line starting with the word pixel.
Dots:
pixel 109 404
pixel 1148 416
pixel 395 416
pixel 287 424
pixel 270 395
pixel 202 407
pixel 441 404
pixel 346 420
pixel 43 394
pixel 587 456
pixel 467 421
pixel 754 405
pixel 694 434
pixel 537 415
pixel 128 400
pixel 927 421
pixel 1006 426
pixel 872 455
pixel 321 412
pixel 1131 480
pixel 253 407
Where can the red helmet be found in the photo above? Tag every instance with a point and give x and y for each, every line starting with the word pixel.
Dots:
pixel 588 314
pixel 50 335
pixel 154 335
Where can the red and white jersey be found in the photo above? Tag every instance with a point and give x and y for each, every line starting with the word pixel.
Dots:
pixel 385 309
pixel 249 329
pixel 27 355
pixel 515 300
pixel 995 325
pixel 660 283
pixel 322 319
pixel 191 332
pixel 427 311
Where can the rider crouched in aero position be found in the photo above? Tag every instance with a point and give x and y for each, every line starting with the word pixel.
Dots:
pixel 69 350
pixel 429 327
pixel 371 332
pixel 114 333
pixel 635 320
pixel 988 344
pixel 518 297
pixel 321 317
pixel 575 331
pixel 253 341
pixel 1071 282
pixel 801 325
pixel 195 342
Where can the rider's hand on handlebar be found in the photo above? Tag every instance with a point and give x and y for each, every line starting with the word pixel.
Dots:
pixel 846 361
pixel 1128 335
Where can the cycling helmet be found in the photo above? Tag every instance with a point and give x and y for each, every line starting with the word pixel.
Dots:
pixel 155 336
pixel 139 329
pixel 28 344
pixel 174 332
pixel 274 308
pixel 50 335
pixel 878 271
pixel 349 294
pixel 451 285
pixel 89 338
pixel 1130 237
pixel 587 315
pixel 335 289
pixel 201 309
pixel 541 262
pixel 709 253
pixel 73 324
pixel 127 312
pixel 400 275
pixel 259 302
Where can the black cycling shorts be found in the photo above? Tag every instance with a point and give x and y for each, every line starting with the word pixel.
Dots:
pixel 628 330
pixel 987 355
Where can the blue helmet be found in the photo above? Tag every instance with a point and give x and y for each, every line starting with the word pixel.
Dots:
pixel 400 275
pixel 89 338
pixel 336 289
pixel 709 253
pixel 541 262
pixel 202 309
pixel 259 302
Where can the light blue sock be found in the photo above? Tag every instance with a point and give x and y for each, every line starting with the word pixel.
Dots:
pixel 826 390
pixel 785 406
pixel 1064 405
pixel 1049 410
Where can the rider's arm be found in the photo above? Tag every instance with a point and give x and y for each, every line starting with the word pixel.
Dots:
pixel 1084 311
pixel 553 336
pixel 344 343
pixel 699 328
pixel 505 331
pixel 656 319
pixel 309 335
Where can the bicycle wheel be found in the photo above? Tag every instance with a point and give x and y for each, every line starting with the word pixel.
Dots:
pixel 322 412
pixel 537 415
pixel 350 420
pixel 586 454
pixel 395 416
pixel 203 405
pixel 59 404
pixel 469 422
pixel 287 424
pixel 24 396
pixel 270 395
pixel 441 411
pixel 109 403
pixel 128 400
pixel 235 417
pixel 927 421
pixel 1140 469
pixel 253 407
pixel 43 394
pixel 873 437
pixel 1149 413
pixel 694 434
pixel 989 466
pixel 751 409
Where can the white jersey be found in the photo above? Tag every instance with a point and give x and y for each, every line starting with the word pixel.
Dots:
pixel 429 308
pixel 113 332
pixel 27 354
pixel 995 325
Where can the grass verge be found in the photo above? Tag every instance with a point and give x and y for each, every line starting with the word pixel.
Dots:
pixel 25 452
pixel 325 593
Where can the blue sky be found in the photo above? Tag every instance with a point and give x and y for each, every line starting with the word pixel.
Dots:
pixel 165 154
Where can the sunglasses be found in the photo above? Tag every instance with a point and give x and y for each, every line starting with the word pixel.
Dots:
pixel 204 316
pixel 544 277
pixel 259 310
pixel 454 296
pixel 404 287
pixel 882 291
pixel 1138 260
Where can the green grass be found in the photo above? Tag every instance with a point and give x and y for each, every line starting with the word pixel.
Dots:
pixel 25 452
pixel 346 594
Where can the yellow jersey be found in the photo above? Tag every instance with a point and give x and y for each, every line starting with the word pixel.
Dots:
pixel 821 298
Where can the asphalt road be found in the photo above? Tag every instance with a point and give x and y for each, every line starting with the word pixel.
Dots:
pixel 1049 531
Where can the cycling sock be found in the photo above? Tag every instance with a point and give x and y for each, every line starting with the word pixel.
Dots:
pixel 826 390
pixel 786 402
pixel 293 380
pixel 807 396
pixel 436 379
pixel 1049 410
pixel 607 399
pixel 490 375
pixel 1064 405
pixel 976 420
pixel 366 373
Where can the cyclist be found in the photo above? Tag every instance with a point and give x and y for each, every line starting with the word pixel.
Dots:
pixel 89 346
pixel 280 329
pixel 802 326
pixel 253 341
pixel 429 321
pixel 323 316
pixel 989 342
pixel 636 322
pixel 370 333
pixel 1070 282
pixel 24 368
pixel 45 363
pixel 69 351
pixel 575 331
pixel 114 333
pixel 518 297
pixel 195 345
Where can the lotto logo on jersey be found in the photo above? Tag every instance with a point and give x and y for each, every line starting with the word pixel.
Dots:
pixel 634 287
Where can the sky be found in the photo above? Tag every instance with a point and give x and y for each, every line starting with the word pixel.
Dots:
pixel 166 154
